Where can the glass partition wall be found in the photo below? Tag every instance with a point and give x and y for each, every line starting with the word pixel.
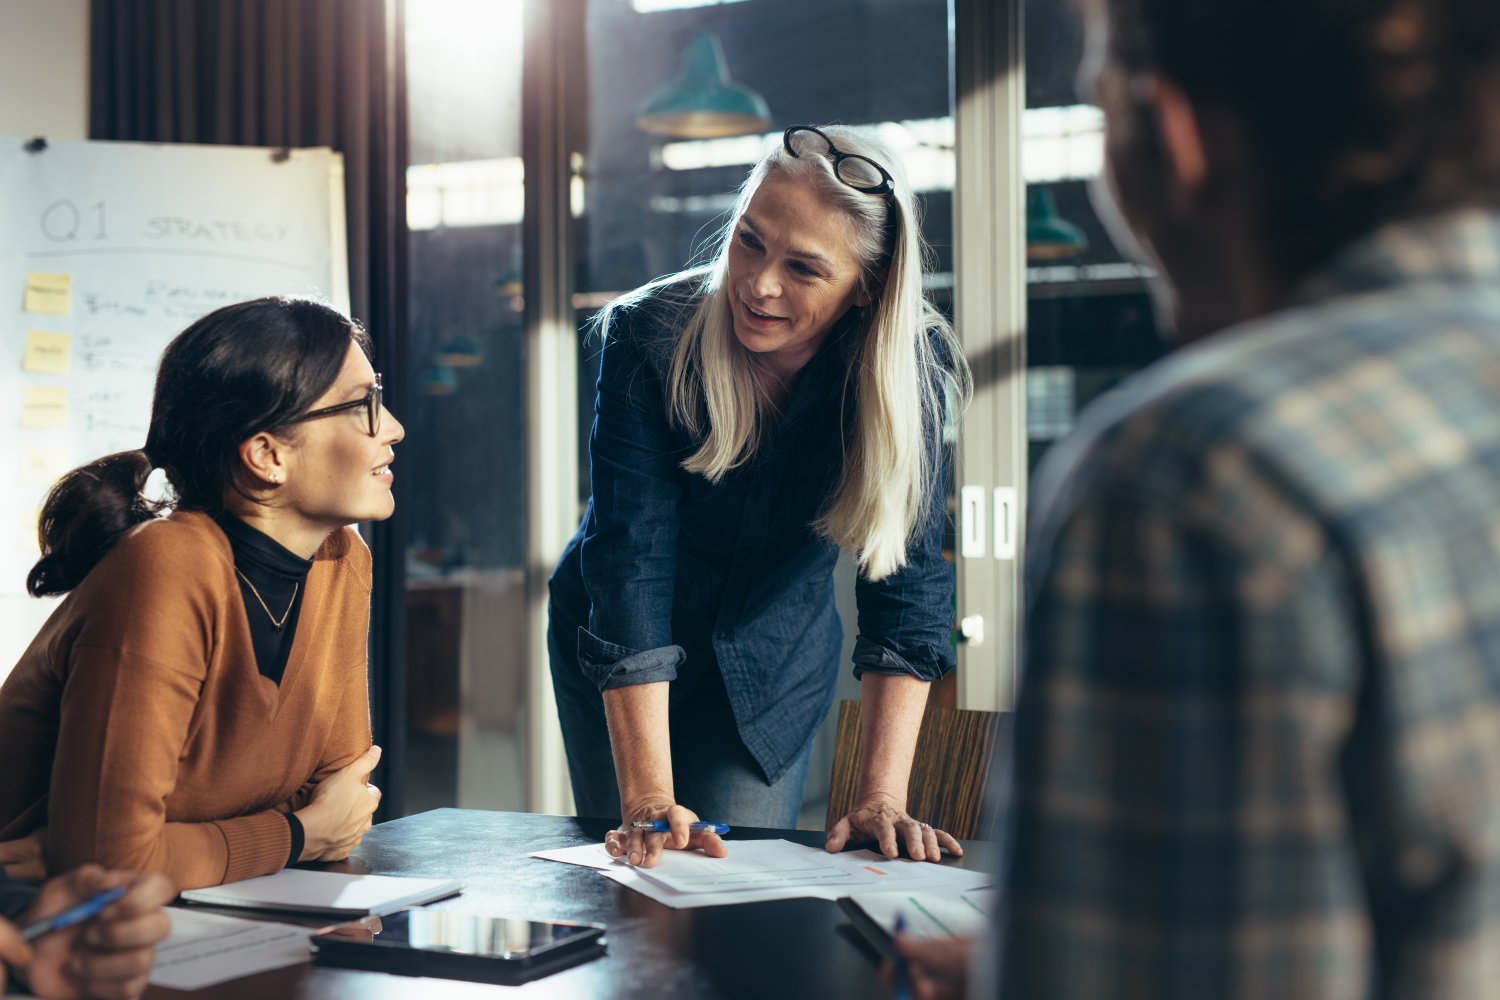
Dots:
pixel 1089 317
pixel 464 449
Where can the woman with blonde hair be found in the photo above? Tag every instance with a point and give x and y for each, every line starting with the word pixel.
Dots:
pixel 754 417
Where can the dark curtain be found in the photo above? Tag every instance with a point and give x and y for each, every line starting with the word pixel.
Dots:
pixel 292 73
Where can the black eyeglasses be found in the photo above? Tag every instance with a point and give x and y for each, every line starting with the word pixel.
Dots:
pixel 371 402
pixel 858 171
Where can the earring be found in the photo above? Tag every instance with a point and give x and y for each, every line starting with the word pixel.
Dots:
pixel 275 478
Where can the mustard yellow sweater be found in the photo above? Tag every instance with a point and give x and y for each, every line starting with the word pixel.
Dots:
pixel 138 730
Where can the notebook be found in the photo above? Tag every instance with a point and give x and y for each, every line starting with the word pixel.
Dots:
pixel 299 891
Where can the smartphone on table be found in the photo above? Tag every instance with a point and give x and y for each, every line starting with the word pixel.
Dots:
pixel 454 944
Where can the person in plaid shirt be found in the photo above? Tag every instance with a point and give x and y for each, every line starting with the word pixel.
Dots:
pixel 1258 732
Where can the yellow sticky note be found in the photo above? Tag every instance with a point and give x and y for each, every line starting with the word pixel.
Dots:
pixel 44 406
pixel 49 293
pixel 42 465
pixel 26 543
pixel 47 353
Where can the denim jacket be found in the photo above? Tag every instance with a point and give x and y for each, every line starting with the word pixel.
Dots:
pixel 669 574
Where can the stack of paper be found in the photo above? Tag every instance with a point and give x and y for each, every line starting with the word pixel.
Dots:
pixel 758 870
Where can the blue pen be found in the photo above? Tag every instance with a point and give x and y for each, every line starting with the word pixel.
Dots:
pixel 898 960
pixel 86 910
pixel 662 826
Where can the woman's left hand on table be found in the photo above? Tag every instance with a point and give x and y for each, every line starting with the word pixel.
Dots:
pixel 879 820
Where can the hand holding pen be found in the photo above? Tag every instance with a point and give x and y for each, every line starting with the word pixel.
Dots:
pixel 73 915
pixel 654 825
pixel 90 933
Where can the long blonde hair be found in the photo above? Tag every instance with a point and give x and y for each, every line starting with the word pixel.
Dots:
pixel 903 354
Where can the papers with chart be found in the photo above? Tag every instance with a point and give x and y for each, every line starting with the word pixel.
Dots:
pixel 950 913
pixel 765 864
pixel 756 864
pixel 205 949
pixel 760 870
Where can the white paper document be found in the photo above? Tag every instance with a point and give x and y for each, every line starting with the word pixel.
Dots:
pixel 587 855
pixel 754 864
pixel 759 870
pixel 205 949
pixel 630 878
pixel 774 864
pixel 930 914
pixel 333 893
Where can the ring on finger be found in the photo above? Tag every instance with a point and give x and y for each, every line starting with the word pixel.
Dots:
pixel 925 826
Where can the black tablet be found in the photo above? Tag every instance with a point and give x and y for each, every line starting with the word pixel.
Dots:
pixel 453 944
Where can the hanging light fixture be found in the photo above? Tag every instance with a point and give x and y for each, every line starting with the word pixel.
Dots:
pixel 460 351
pixel 437 380
pixel 512 281
pixel 703 103
pixel 1048 235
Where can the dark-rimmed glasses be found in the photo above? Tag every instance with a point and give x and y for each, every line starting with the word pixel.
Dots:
pixel 371 402
pixel 854 169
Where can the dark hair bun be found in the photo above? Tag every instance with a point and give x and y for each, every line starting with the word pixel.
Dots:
pixel 85 514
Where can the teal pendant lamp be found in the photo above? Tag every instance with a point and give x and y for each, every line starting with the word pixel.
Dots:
pixel 461 351
pixel 1048 235
pixel 437 380
pixel 703 103
pixel 513 281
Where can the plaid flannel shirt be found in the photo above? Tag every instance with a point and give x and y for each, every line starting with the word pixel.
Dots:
pixel 1258 735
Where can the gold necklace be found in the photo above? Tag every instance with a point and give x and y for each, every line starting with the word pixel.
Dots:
pixel 274 623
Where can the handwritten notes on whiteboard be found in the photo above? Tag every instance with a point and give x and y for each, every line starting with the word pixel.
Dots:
pixel 47 353
pixel 107 251
pixel 48 293
pixel 44 406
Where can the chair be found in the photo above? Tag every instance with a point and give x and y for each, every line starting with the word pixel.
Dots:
pixel 950 772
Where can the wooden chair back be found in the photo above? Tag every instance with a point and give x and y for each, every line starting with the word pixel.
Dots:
pixel 950 773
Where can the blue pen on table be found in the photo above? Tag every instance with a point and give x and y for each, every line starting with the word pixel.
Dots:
pixel 86 910
pixel 662 826
pixel 898 961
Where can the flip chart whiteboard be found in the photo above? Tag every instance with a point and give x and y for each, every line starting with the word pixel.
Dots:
pixel 109 249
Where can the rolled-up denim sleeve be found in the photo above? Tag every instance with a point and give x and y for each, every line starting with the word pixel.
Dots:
pixel 905 620
pixel 612 666
pixel 628 553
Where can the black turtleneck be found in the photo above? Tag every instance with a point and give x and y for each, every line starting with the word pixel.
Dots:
pixel 279 576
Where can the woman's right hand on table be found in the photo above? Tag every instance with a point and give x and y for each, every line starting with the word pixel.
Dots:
pixel 644 847
pixel 339 814
pixel 23 859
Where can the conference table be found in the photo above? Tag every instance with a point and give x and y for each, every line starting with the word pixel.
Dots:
pixel 775 950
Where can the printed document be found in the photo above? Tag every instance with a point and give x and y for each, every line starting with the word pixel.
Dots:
pixel 759 870
pixel 766 864
pixel 929 914
pixel 205 949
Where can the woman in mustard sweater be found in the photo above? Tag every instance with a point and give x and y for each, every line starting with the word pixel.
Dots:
pixel 198 706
